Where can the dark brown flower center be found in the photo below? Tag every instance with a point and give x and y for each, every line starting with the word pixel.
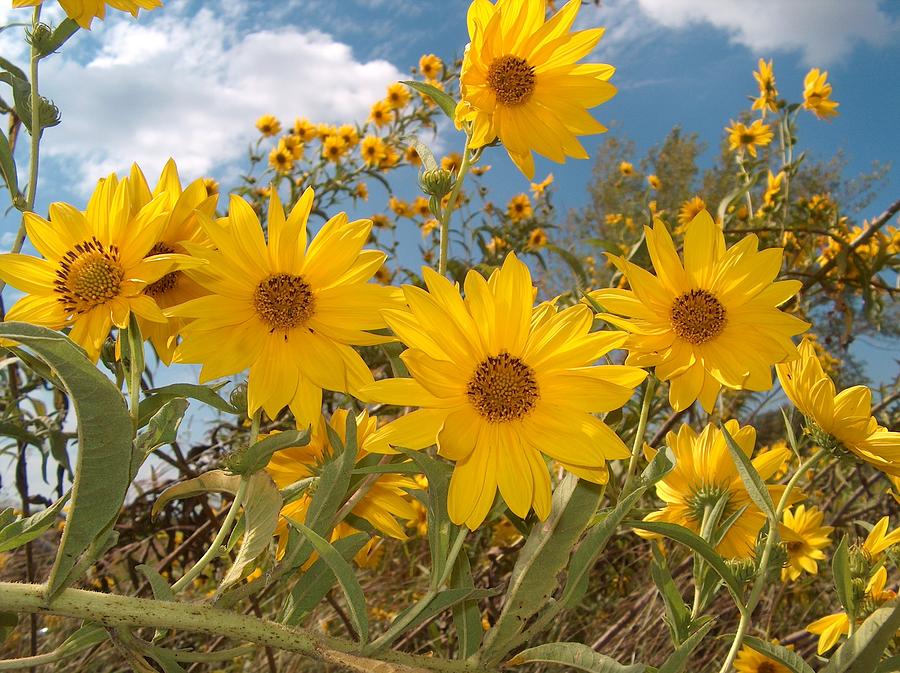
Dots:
pixel 284 301
pixel 88 275
pixel 766 667
pixel 697 316
pixel 503 388
pixel 511 79
pixel 747 138
pixel 168 281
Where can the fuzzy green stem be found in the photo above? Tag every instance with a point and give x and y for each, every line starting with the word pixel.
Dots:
pixel 448 211
pixel 214 548
pixel 641 431
pixel 127 612
pixel 759 584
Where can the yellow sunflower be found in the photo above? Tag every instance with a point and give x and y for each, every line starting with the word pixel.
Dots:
pixel 519 208
pixel 430 66
pixel 268 125
pixel 626 169
pixel 750 661
pixel 83 12
pixel 382 113
pixel 305 130
pixel 386 500
pixel 181 230
pixel 705 473
pixel 838 421
pixel 768 94
pixel 500 383
pixel 688 211
pixel 288 314
pixel 817 95
pixel 521 80
pixel 805 547
pixel 709 323
pixel 742 137
pixel 96 264
pixel 398 96
pixel 879 540
pixel 537 238
pixel 831 627
pixel 654 182
pixel 773 188
pixel 372 150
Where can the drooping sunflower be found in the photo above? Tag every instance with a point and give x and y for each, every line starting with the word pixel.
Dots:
pixel 831 627
pixel 768 94
pixel 817 94
pixel 705 473
pixel 879 540
pixel 499 383
pixel 521 80
pixel 773 188
pixel 840 422
pixel 742 137
pixel 805 547
pixel 750 661
pixel 83 12
pixel 711 322
pixel 288 313
pixel 95 266
pixel 386 501
pixel 181 229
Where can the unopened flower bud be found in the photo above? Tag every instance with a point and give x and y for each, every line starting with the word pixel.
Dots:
pixel 437 182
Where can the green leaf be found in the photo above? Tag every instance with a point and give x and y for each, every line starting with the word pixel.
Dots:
pixel 545 554
pixel 256 457
pixel 440 528
pixel 214 481
pixel 157 397
pixel 334 481
pixel 840 567
pixel 21 531
pixel 756 487
pixel 466 614
pixel 577 656
pixel 862 652
pixel 787 658
pixel 161 589
pixel 161 430
pixel 104 443
pixel 595 541
pixel 690 539
pixel 316 582
pixel 85 637
pixel 443 100
pixel 13 69
pixel 678 614
pixel 17 432
pixel 444 600
pixel 424 152
pixel 262 505
pixel 8 167
pixel 675 662
pixel 356 601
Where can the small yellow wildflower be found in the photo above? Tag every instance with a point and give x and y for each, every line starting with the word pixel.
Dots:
pixel 817 94
pixel 381 113
pixel 742 137
pixel 268 125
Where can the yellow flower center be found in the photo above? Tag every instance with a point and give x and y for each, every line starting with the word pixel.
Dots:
pixel 168 281
pixel 503 388
pixel 511 79
pixel 89 275
pixel 697 316
pixel 284 301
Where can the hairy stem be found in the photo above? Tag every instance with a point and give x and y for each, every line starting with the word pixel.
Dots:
pixel 448 210
pixel 638 444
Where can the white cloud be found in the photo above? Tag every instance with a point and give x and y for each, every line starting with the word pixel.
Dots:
pixel 823 30
pixel 191 85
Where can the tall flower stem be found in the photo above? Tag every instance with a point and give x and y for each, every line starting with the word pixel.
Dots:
pixel 447 214
pixel 760 583
pixel 35 98
pixel 639 434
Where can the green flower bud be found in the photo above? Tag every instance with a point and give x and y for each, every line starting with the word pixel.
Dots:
pixel 437 182
pixel 238 397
